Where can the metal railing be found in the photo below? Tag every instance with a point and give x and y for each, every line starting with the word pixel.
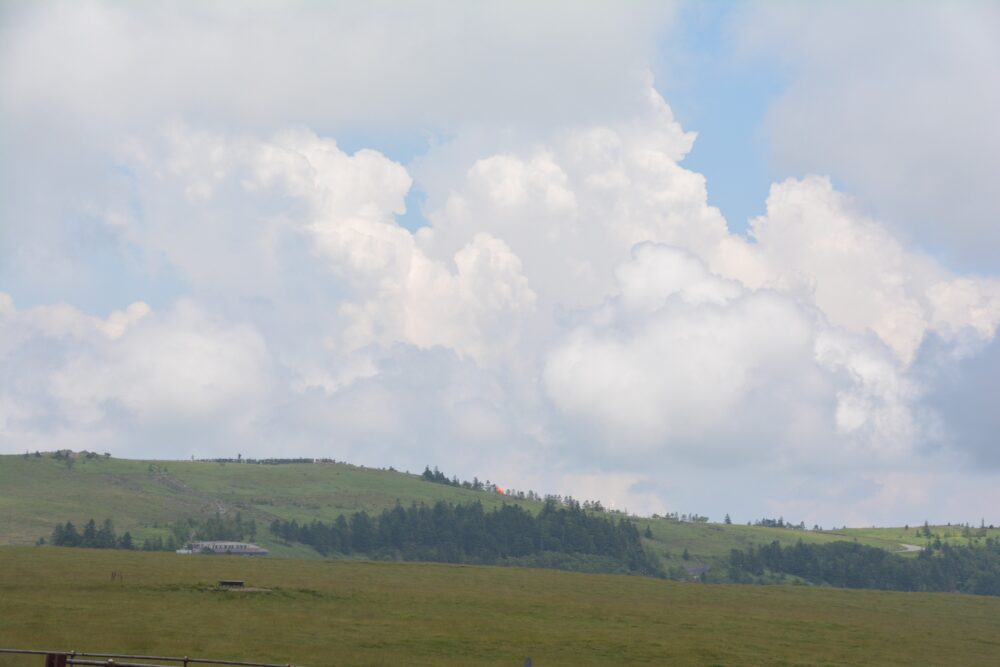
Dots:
pixel 64 658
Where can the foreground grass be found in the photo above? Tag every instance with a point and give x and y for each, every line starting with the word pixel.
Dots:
pixel 361 613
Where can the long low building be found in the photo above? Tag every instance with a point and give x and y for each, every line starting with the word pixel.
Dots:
pixel 225 548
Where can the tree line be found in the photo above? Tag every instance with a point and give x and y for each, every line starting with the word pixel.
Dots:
pixel 946 568
pixel 562 536
pixel 91 537
pixel 217 527
pixel 435 476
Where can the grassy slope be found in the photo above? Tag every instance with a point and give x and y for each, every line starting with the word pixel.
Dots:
pixel 360 613
pixel 142 496
pixel 38 493
pixel 951 534
pixel 712 540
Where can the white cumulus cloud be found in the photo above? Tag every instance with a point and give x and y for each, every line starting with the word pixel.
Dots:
pixel 203 256
pixel 899 106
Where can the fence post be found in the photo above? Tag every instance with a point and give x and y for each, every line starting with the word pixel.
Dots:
pixel 55 660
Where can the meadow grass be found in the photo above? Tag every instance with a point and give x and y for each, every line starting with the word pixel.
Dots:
pixel 364 613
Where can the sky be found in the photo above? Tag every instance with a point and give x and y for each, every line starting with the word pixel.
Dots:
pixel 724 258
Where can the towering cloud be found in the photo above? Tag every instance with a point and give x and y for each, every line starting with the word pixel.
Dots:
pixel 569 313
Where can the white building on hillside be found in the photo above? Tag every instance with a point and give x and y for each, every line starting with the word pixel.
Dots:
pixel 225 548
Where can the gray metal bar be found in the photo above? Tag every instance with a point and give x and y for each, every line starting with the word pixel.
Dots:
pixel 29 652
pixel 112 662
pixel 204 661
pixel 185 660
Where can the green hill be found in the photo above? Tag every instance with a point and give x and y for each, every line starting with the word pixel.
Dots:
pixel 144 497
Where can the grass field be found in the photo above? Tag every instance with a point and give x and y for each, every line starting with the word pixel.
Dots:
pixel 361 613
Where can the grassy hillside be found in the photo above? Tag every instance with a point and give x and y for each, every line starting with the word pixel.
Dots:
pixel 143 497
pixel 360 613
pixel 708 541
pixel 951 534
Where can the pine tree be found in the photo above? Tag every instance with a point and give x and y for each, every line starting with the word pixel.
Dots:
pixel 106 538
pixel 90 534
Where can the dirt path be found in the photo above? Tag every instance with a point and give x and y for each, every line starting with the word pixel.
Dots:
pixel 909 548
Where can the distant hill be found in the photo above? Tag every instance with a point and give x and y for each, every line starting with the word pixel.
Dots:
pixel 144 497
